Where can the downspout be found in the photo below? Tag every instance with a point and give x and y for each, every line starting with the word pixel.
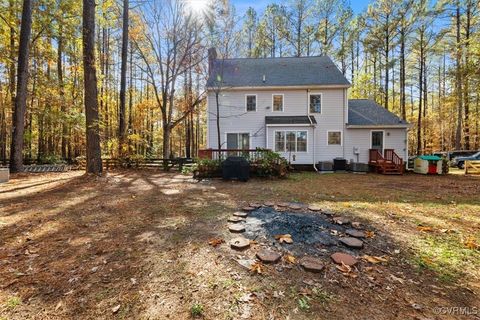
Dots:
pixel 314 127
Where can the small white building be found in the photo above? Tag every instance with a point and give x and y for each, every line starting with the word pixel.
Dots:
pixel 298 107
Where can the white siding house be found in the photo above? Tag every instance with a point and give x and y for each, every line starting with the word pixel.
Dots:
pixel 297 107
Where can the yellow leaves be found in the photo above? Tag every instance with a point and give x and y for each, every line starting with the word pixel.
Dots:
pixel 284 238
pixel 471 243
pixel 374 259
pixel 214 242
pixel 369 234
pixel 424 229
pixel 290 259
pixel 257 267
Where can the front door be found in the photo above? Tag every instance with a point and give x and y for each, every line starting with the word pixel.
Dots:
pixel 377 141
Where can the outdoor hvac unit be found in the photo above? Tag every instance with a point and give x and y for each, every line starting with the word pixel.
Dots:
pixel 325 166
pixel 339 164
pixel 236 168
pixel 358 167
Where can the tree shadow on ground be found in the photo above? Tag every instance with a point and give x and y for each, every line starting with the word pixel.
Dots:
pixel 81 248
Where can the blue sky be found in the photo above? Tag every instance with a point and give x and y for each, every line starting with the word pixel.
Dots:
pixel 260 5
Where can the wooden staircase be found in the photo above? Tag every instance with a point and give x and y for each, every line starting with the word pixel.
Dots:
pixel 389 163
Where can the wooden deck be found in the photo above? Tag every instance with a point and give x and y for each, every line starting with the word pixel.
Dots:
pixel 389 163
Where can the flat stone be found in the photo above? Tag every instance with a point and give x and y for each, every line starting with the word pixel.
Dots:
pixel 314 208
pixel 236 227
pixel 283 204
pixel 235 219
pixel 239 243
pixel 295 206
pixel 355 233
pixel 268 256
pixel 269 204
pixel 240 214
pixel 340 257
pixel 254 205
pixel 312 264
pixel 248 209
pixel 341 220
pixel 352 242
pixel 356 225
pixel 328 212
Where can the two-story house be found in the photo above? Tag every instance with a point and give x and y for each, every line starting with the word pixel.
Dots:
pixel 298 107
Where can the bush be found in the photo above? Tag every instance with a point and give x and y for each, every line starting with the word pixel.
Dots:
pixel 206 168
pixel 271 164
pixel 51 159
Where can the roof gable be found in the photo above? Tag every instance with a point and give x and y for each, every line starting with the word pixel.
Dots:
pixel 276 72
pixel 363 112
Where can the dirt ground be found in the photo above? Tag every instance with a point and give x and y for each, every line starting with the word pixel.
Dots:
pixel 135 245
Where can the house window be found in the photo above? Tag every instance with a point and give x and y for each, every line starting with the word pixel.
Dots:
pixel 334 138
pixel 277 102
pixel 291 141
pixel 238 141
pixel 315 103
pixel 280 141
pixel 251 102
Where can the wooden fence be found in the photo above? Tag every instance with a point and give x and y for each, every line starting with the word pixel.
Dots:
pixel 472 167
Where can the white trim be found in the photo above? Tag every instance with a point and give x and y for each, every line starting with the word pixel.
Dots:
pixel 274 144
pixel 341 138
pixel 383 139
pixel 289 125
pixel 256 101
pixel 238 132
pixel 258 88
pixel 283 102
pixel 321 102
pixel 208 123
pixel 379 126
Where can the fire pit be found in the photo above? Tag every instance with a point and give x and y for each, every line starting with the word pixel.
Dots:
pixel 312 233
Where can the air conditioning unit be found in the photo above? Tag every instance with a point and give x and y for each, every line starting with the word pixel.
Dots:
pixel 326 166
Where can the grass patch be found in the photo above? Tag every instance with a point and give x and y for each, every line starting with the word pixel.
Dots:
pixel 13 302
pixel 446 255
pixel 196 310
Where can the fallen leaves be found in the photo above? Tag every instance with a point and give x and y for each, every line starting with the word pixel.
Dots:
pixel 257 267
pixel 374 259
pixel 471 243
pixel 284 238
pixel 346 270
pixel 290 259
pixel 424 229
pixel 214 242
pixel 369 234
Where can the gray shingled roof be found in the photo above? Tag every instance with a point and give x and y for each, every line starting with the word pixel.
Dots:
pixel 303 71
pixel 363 112
pixel 290 120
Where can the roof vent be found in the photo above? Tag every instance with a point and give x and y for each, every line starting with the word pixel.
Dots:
pixel 264 79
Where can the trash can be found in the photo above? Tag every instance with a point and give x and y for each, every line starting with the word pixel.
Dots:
pixel 236 168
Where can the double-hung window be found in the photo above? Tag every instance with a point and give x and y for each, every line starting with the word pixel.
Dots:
pixel 238 141
pixel 334 138
pixel 277 102
pixel 291 141
pixel 315 103
pixel 251 102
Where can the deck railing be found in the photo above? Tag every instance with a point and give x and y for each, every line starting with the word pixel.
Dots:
pixel 222 154
pixel 375 155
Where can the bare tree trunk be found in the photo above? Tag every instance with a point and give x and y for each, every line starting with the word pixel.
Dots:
pixel 420 81
pixel 18 121
pixel 94 154
pixel 123 80
pixel 458 86
pixel 402 74
pixel 63 106
pixel 466 88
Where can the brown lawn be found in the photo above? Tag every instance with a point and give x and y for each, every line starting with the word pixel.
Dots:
pixel 134 245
